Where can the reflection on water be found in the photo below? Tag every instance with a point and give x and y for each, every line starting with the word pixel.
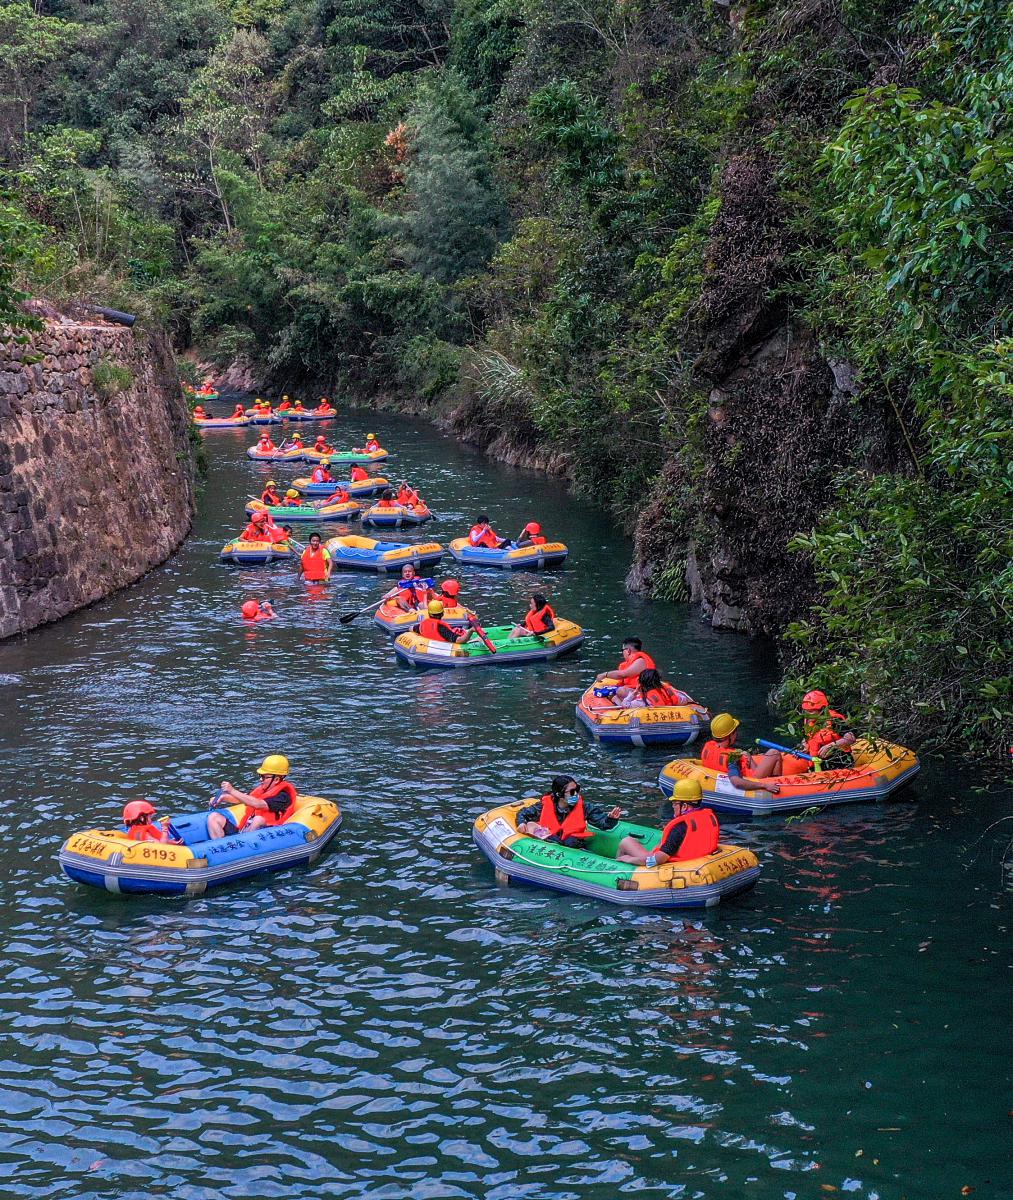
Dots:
pixel 390 1023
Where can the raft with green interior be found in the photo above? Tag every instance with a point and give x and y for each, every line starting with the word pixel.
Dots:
pixel 593 870
pixel 420 651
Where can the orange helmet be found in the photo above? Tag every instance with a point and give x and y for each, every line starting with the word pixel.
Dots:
pixel 817 702
pixel 450 587
pixel 250 609
pixel 259 516
pixel 533 527
pixel 137 809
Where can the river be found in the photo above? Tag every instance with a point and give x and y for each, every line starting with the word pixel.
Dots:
pixel 389 1023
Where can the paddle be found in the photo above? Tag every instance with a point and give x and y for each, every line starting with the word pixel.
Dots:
pixel 348 617
pixel 473 622
pixel 816 762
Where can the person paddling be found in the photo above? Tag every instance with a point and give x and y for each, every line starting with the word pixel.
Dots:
pixel 693 831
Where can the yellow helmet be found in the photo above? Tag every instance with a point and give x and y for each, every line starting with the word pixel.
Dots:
pixel 723 725
pixel 271 483
pixel 325 462
pixel 274 764
pixel 291 493
pixel 688 791
pixel 284 397
pixel 370 436
pixel 435 608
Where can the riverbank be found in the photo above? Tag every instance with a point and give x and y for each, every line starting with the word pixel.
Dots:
pixel 96 466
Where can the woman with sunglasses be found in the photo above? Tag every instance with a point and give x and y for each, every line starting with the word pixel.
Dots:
pixel 563 815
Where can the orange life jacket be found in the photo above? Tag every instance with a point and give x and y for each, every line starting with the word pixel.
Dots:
pixel 429 627
pixel 663 697
pixel 358 473
pixel 483 536
pixel 536 539
pixel 702 833
pixel 382 503
pixel 269 496
pixel 255 533
pixel 239 411
pixel 649 663
pixel 320 476
pixel 284 406
pixel 536 621
pixel 818 740
pixel 574 824
pixel 314 564
pixel 265 444
pixel 264 791
pixel 298 407
pixel 407 496
pixel 338 497
pixel 716 757
pixel 372 447
pixel 199 411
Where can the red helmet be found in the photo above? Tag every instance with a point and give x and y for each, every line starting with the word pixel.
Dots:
pixel 532 527
pixel 136 809
pixel 450 587
pixel 260 515
pixel 817 702
pixel 250 609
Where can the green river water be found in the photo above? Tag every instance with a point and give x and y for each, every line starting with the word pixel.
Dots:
pixel 389 1023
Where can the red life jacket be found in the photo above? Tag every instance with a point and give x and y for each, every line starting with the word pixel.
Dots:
pixel 536 621
pixel 407 496
pixel 265 444
pixel 314 564
pixel 818 740
pixel 372 447
pixel 338 497
pixel 358 473
pixel 536 539
pixel 574 824
pixel 255 533
pixel 716 757
pixel 483 536
pixel 269 496
pixel 239 411
pixel 318 476
pixel 265 792
pixel 663 697
pixel 147 833
pixel 702 833
pixel 430 627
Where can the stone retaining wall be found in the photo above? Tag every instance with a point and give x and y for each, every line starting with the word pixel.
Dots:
pixel 95 489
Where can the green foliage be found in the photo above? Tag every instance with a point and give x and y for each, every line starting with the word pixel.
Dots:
pixel 111 378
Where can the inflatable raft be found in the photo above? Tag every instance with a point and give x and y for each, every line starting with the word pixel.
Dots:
pixel 107 858
pixel 260 418
pixel 676 725
pixel 221 422
pixel 348 457
pixel 388 516
pixel 540 647
pixel 511 559
pixel 593 870
pixel 396 620
pixel 309 414
pixel 879 771
pixel 276 455
pixel 364 487
pixel 283 513
pixel 250 554
pixel 367 554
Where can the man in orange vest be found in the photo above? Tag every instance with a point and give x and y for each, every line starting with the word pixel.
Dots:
pixel 692 833
pixel 482 534
pixel 435 630
pixel 635 659
pixel 563 815
pixel 271 802
pixel 315 562
pixel 744 771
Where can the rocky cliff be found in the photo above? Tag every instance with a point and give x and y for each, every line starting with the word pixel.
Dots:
pixel 96 471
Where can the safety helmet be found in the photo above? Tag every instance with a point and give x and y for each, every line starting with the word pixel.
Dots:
pixel 688 791
pixel 815 701
pixel 370 436
pixel 296 437
pixel 532 527
pixel 723 725
pixel 271 483
pixel 435 608
pixel 137 808
pixel 450 587
pixel 250 609
pixel 259 516
pixel 325 462
pixel 291 493
pixel 284 397
pixel 274 764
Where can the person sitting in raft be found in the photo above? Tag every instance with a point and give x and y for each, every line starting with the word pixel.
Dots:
pixel 256 610
pixel 358 473
pixel 325 407
pixel 692 833
pixel 540 618
pixel 271 802
pixel 315 562
pixel 321 472
pixel 386 499
pixel 198 413
pixel 371 446
pixel 651 692
pixel 257 529
pixel 137 816
pixel 339 496
pixel 743 770
pixel 285 404
pixel 482 534
pixel 269 495
pixel 823 740
pixel 238 412
pixel 438 631
pixel 530 535
pixel 563 815
pixel 293 443
pixel 407 496
pixel 449 592
pixel 411 592
pixel 292 499
pixel 635 659
pixel 320 446
pixel 298 406
pixel 265 445
pixel 276 532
